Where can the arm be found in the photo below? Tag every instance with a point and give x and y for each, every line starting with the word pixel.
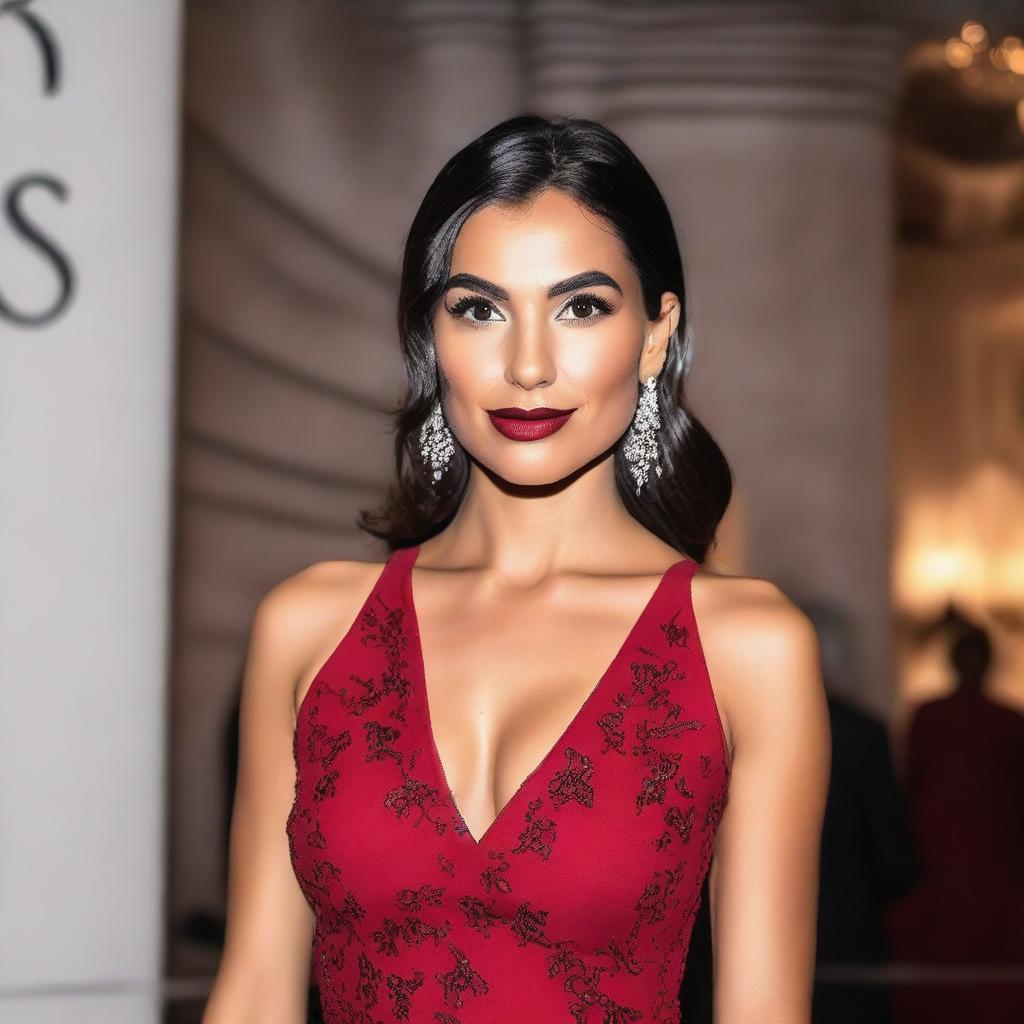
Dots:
pixel 264 969
pixel 763 654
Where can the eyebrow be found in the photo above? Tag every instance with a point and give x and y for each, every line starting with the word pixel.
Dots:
pixel 588 279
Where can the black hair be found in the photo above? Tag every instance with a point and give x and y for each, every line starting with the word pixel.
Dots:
pixel 509 165
pixel 971 653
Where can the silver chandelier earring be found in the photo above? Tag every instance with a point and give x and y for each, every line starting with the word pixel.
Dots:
pixel 437 445
pixel 641 447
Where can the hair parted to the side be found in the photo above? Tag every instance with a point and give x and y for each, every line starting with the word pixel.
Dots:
pixel 508 165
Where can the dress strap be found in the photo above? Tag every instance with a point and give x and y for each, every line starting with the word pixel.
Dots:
pixel 391 583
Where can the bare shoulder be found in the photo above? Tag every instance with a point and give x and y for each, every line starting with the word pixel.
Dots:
pixel 761 650
pixel 310 597
pixel 306 615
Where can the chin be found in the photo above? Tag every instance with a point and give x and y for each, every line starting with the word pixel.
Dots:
pixel 544 472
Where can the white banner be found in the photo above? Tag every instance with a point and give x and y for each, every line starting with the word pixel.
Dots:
pixel 89 111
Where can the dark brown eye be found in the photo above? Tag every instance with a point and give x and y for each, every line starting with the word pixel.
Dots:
pixel 482 310
pixel 585 307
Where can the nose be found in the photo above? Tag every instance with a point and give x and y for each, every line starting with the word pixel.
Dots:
pixel 530 362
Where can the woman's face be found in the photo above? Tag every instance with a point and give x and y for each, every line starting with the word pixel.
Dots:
pixel 543 309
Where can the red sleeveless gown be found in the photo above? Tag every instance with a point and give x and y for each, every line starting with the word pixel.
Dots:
pixel 578 902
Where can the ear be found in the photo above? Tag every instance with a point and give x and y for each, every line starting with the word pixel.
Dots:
pixel 656 339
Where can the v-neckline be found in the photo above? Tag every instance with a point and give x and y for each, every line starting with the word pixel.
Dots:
pixel 411 556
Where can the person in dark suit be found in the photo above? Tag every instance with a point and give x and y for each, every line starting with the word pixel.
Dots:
pixel 868 857
pixel 965 790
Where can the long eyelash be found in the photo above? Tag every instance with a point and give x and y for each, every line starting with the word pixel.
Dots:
pixel 595 300
pixel 469 300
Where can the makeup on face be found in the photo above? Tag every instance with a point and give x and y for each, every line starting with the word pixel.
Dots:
pixel 486 293
pixel 514 422
pixel 528 424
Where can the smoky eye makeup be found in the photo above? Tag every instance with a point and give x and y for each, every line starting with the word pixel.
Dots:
pixel 459 307
pixel 586 299
pixel 603 308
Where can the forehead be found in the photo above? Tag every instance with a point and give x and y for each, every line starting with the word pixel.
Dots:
pixel 552 237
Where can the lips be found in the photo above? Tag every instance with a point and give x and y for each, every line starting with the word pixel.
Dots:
pixel 528 424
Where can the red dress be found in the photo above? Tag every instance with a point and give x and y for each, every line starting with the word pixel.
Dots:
pixel 578 902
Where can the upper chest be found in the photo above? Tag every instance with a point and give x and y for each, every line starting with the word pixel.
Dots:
pixel 495 661
pixel 505 676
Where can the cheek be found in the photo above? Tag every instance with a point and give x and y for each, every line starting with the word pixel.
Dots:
pixel 598 368
pixel 472 366
pixel 601 368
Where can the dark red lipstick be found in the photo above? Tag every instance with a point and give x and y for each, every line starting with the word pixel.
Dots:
pixel 528 424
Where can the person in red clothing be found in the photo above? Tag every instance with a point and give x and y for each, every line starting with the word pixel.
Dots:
pixel 965 793
pixel 485 780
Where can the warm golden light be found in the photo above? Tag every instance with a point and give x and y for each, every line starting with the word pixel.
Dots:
pixel 1011 43
pixel 965 544
pixel 1015 60
pixel 974 35
pixel 997 56
pixel 1007 571
pixel 943 569
pixel 959 54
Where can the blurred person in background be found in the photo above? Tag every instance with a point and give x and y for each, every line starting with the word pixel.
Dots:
pixel 868 858
pixel 476 829
pixel 965 792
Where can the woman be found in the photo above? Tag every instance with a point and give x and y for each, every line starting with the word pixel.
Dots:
pixel 476 830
